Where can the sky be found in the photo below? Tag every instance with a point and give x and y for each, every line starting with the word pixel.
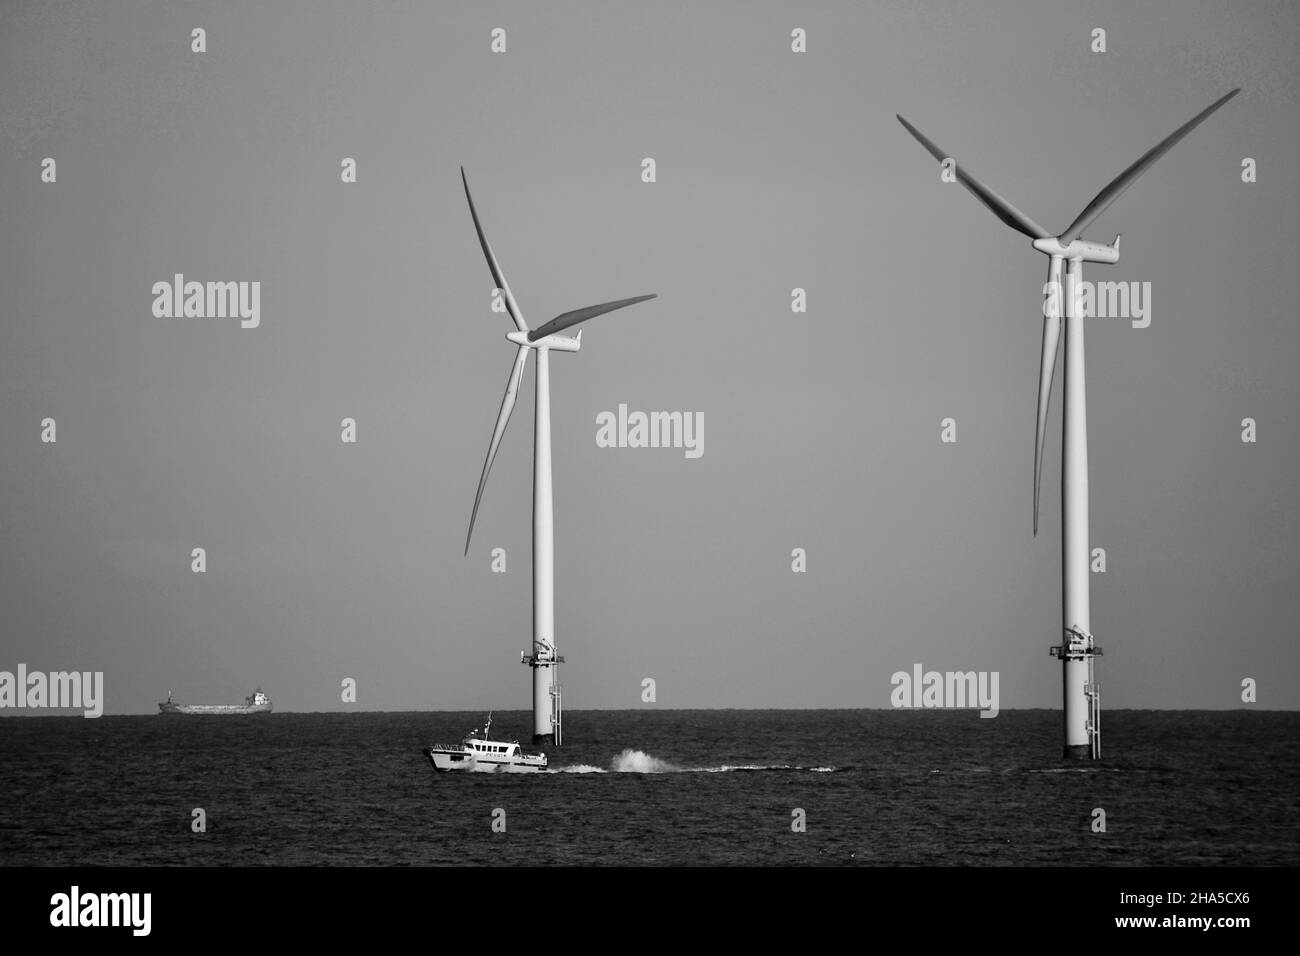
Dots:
pixel 775 170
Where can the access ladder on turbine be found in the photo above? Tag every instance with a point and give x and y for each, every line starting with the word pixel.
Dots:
pixel 1083 647
pixel 557 715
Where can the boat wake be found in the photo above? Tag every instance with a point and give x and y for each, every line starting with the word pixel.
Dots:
pixel 629 761
pixel 638 761
pixel 1075 770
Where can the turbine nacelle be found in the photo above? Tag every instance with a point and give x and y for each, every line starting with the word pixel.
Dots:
pixel 1080 249
pixel 554 341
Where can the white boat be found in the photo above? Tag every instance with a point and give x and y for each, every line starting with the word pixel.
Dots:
pixel 479 753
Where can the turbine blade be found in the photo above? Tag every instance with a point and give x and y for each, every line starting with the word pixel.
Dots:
pixel 497 275
pixel 582 315
pixel 1125 179
pixel 507 406
pixel 1046 370
pixel 1001 208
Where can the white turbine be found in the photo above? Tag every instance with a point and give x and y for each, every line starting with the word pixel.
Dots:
pixel 543 659
pixel 1077 648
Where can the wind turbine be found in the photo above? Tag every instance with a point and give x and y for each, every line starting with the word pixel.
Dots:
pixel 543 659
pixel 1077 648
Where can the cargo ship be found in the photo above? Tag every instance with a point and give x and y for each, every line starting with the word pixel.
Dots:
pixel 254 703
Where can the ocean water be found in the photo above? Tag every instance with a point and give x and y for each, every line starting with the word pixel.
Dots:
pixel 654 787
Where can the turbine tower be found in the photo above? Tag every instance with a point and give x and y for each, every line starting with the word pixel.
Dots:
pixel 1077 649
pixel 543 340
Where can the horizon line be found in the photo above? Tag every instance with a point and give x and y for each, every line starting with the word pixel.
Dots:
pixel 36 712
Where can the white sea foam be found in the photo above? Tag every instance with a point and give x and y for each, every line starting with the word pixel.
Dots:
pixel 638 761
pixel 1076 770
pixel 726 768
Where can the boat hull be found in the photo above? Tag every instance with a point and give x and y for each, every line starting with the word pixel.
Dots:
pixel 452 761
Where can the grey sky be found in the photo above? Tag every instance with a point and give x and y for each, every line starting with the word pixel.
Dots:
pixel 775 170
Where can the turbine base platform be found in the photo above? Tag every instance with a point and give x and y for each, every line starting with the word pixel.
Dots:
pixel 1081 648
pixel 534 661
pixel 541 666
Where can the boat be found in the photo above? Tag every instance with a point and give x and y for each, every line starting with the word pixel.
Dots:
pixel 254 703
pixel 478 752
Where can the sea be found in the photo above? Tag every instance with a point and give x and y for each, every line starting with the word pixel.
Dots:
pixel 652 788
